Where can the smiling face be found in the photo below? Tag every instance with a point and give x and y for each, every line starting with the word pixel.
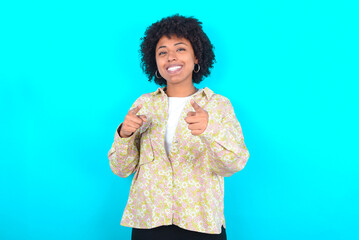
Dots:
pixel 175 60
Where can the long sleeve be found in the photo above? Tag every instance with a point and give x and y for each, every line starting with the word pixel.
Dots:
pixel 124 154
pixel 224 140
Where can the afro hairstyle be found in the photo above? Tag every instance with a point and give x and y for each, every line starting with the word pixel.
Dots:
pixel 182 27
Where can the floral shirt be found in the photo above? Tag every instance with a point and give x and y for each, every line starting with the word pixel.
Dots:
pixel 185 188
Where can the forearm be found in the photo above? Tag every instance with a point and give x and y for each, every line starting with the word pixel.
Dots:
pixel 123 155
pixel 225 145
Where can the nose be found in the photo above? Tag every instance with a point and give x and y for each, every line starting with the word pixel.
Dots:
pixel 171 56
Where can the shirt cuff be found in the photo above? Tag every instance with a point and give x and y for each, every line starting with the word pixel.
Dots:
pixel 119 129
pixel 123 143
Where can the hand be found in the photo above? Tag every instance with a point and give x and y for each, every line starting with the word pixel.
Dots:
pixel 132 122
pixel 197 121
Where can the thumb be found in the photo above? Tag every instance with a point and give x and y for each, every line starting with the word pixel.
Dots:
pixel 143 117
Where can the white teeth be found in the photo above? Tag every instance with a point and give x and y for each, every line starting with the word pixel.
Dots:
pixel 174 68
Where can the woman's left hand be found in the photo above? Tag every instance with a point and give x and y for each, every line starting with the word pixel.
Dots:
pixel 198 120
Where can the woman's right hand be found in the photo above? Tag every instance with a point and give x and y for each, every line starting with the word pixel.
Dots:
pixel 132 122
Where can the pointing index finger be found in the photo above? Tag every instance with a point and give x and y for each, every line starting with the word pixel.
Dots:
pixel 196 107
pixel 136 109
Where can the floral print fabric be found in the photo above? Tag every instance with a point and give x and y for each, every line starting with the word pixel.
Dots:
pixel 187 187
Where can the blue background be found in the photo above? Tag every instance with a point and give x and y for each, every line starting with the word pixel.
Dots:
pixel 70 70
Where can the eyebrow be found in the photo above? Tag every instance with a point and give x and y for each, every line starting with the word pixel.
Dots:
pixel 173 45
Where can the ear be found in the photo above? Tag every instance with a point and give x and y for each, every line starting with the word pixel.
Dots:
pixel 195 60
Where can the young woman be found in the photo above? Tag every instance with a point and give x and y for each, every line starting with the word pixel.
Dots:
pixel 179 141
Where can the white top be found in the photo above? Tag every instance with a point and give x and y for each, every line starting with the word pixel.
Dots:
pixel 175 108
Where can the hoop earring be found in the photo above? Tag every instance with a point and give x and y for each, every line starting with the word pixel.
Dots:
pixel 156 75
pixel 199 68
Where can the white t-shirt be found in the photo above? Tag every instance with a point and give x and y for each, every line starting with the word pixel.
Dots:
pixel 175 108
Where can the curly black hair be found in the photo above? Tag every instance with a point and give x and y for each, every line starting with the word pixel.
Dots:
pixel 182 27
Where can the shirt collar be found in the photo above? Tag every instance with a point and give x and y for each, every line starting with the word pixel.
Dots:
pixel 204 91
pixel 159 91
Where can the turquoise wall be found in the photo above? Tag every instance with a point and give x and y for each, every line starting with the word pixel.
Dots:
pixel 70 70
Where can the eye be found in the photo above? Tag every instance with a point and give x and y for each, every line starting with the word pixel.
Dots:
pixel 181 49
pixel 161 53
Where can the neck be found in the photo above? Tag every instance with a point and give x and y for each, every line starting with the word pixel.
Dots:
pixel 183 91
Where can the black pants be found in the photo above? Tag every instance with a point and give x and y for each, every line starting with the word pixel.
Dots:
pixel 172 232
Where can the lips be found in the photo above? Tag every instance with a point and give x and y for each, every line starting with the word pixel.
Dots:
pixel 174 68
